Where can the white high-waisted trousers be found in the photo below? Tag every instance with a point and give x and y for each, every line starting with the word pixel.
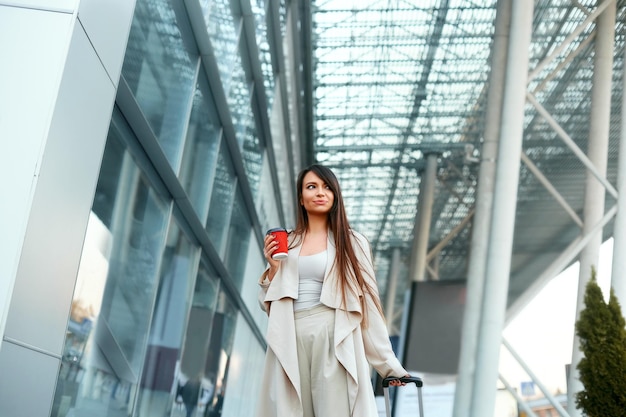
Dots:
pixel 323 379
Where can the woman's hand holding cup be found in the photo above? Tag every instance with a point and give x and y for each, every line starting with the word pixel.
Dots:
pixel 270 246
pixel 275 248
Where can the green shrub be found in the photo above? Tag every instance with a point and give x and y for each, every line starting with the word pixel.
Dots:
pixel 602 370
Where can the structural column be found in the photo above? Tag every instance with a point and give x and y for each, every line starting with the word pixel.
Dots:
pixel 422 224
pixel 618 278
pixel 421 231
pixel 392 285
pixel 503 214
pixel 480 227
pixel 594 191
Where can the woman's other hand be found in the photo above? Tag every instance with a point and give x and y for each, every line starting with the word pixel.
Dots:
pixel 398 382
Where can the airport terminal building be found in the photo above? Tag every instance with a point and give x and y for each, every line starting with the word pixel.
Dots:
pixel 147 145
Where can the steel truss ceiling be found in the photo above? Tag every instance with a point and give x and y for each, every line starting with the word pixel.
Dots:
pixel 396 80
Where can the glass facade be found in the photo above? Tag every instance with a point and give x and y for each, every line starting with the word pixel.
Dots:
pixel 164 318
pixel 160 70
pixel 158 140
pixel 201 151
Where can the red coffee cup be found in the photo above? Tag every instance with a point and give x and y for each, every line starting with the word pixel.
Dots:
pixel 280 235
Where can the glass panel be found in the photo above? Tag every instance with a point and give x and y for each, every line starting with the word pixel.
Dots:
pixel 238 241
pixel 160 71
pixel 223 30
pixel 282 14
pixel 208 342
pixel 258 10
pixel 245 373
pixel 244 124
pixel 201 149
pixel 219 351
pixel 239 101
pixel 108 328
pixel 178 270
pixel 252 154
pixel 221 200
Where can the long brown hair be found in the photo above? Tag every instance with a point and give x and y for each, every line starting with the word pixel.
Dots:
pixel 350 272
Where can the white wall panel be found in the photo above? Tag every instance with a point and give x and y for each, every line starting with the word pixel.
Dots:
pixel 107 23
pixel 47 271
pixel 65 6
pixel 40 370
pixel 30 74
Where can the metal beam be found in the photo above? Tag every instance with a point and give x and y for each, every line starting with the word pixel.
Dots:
pixel 520 400
pixel 425 147
pixel 451 235
pixel 573 35
pixel 564 63
pixel 368 116
pixel 551 189
pixel 532 376
pixel 558 265
pixel 572 145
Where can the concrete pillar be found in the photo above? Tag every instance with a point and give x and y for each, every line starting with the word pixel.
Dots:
pixel 392 285
pixel 480 227
pixel 498 265
pixel 423 219
pixel 598 144
pixel 618 274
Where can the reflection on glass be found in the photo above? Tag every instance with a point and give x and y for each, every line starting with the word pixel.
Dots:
pixel 239 101
pixel 208 342
pixel 245 127
pixel 200 155
pixel 223 30
pixel 178 269
pixel 160 72
pixel 252 154
pixel 282 14
pixel 238 240
pixel 108 329
pixel 246 359
pixel 258 10
pixel 222 195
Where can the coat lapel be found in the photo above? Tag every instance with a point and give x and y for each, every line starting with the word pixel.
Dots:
pixel 281 340
pixel 348 317
pixel 281 324
pixel 331 290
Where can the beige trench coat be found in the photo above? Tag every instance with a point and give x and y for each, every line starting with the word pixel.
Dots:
pixel 355 346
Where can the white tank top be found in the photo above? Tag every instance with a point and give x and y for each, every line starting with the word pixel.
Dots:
pixel 311 270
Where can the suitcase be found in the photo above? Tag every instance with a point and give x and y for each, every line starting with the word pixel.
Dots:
pixel 410 379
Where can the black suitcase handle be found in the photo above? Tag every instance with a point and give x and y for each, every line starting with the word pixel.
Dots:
pixel 406 379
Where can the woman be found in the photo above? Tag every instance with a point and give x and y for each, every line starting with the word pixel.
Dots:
pixel 325 319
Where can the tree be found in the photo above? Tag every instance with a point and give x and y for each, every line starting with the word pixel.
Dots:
pixel 603 342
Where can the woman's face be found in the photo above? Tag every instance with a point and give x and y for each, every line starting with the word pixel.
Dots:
pixel 317 198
